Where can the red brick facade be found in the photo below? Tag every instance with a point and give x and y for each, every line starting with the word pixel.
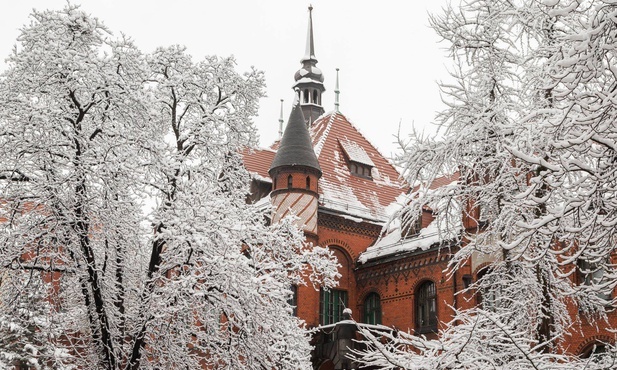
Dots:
pixel 354 206
pixel 395 278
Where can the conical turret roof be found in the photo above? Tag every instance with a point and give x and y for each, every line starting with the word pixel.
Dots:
pixel 296 148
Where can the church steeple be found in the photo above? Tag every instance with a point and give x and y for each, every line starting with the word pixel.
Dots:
pixel 309 78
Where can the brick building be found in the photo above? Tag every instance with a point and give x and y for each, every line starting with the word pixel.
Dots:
pixel 344 191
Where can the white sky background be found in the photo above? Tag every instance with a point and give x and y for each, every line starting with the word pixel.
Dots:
pixel 389 58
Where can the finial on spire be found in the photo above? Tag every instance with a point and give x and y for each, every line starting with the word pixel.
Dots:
pixel 336 93
pixel 281 121
pixel 310 45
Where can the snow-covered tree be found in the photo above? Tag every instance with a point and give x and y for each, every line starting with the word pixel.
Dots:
pixel 28 338
pixel 121 177
pixel 529 126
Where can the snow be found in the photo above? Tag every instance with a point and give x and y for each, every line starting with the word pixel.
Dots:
pixel 355 152
pixel 393 243
pixel 263 203
pixel 319 146
pixel 445 227
pixel 351 218
pixel 258 177
pixel 342 198
pixel 304 80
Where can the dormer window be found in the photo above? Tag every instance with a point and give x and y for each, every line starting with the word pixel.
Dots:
pixel 410 228
pixel 360 164
pixel 359 169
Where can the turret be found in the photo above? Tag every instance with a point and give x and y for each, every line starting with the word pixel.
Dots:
pixel 309 79
pixel 295 173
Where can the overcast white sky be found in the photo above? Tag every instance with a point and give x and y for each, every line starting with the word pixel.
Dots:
pixel 389 58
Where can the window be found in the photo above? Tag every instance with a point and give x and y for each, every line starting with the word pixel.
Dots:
pixel 595 352
pixel 289 182
pixel 372 309
pixel 359 169
pixel 315 97
pixel 331 305
pixel 426 308
pixel 274 184
pixel 306 95
pixel 293 300
pixel 488 292
pixel 592 274
pixel 308 183
pixel 410 228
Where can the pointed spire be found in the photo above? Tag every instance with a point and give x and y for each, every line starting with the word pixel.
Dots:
pixel 281 121
pixel 336 93
pixel 309 79
pixel 296 148
pixel 309 54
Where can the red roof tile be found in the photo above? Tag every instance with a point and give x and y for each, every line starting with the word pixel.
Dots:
pixel 257 161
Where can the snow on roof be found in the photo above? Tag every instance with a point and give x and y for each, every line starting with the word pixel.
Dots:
pixel 322 134
pixel 394 243
pixel 263 204
pixel 342 191
pixel 355 152
pixel 261 178
pixel 444 228
pixel 305 80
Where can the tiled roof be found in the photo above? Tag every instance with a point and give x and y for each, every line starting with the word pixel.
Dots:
pixel 339 189
pixel 258 161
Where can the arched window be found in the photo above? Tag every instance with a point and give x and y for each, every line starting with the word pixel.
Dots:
pixel 426 308
pixel 289 182
pixel 372 309
pixel 315 97
pixel 306 95
pixel 594 351
pixel 308 183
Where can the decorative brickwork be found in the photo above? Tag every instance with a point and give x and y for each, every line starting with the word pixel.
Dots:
pixel 348 226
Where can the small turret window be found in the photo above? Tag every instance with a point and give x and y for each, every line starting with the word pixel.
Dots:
pixel 274 184
pixel 289 182
pixel 308 183
pixel 315 97
pixel 306 95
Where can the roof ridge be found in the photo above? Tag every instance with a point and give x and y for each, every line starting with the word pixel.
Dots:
pixel 324 136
